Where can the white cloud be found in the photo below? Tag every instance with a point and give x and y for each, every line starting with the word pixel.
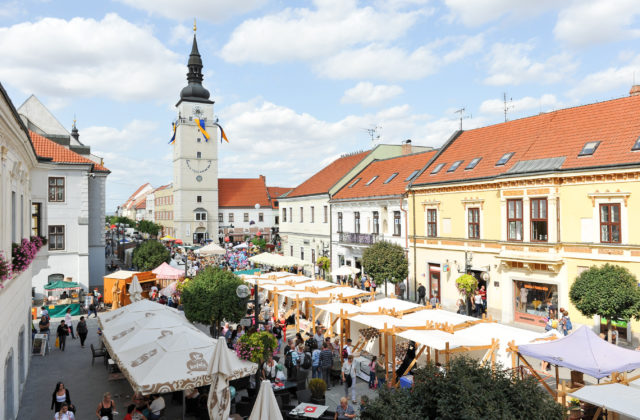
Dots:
pixel 11 9
pixel 478 12
pixel 181 34
pixel 306 34
pixel 87 58
pixel 105 137
pixel 607 80
pixel 588 22
pixel 368 94
pixel 510 64
pixel 544 103
pixel 212 11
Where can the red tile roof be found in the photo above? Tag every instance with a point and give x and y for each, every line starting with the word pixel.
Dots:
pixel 242 192
pixel 322 181
pixel 403 166
pixel 50 149
pixel 557 134
pixel 132 197
pixel 275 192
pixel 141 203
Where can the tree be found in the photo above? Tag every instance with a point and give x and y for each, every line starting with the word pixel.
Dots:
pixel 210 297
pixel 147 226
pixel 466 391
pixel 261 243
pixel 150 254
pixel 324 263
pixel 610 291
pixel 467 286
pixel 385 261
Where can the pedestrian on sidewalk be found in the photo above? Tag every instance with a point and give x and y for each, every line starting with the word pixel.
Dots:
pixel 349 378
pixel 372 372
pixel 106 407
pixel 60 396
pixel 62 332
pixel 381 371
pixel 82 330
pixel 69 322
pixel 64 413
pixel 326 360
pixel 422 293
pixel 43 325
pixel 92 308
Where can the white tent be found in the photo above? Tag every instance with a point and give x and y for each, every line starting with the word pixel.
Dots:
pixel 435 339
pixel 387 303
pixel 127 335
pixel 266 406
pixel 241 246
pixel 335 307
pixel 345 270
pixel 344 292
pixel 379 321
pixel 439 316
pixel 318 284
pixel 211 249
pixel 618 398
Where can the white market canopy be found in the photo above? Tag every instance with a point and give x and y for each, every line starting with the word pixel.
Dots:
pixel 316 284
pixel 343 292
pixel 211 249
pixel 335 308
pixel 345 270
pixel 439 316
pixel 618 398
pixel 435 339
pixel 276 260
pixel 378 321
pixel 273 286
pixel 387 303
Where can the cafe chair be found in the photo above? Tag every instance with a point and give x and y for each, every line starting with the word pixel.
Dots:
pixel 303 396
pixel 98 353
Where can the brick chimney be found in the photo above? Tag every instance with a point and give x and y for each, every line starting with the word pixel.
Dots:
pixel 635 90
pixel 406 147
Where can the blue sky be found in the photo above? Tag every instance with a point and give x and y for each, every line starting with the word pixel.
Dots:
pixel 297 83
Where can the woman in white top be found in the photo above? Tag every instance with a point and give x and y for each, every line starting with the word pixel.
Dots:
pixel 269 370
pixel 64 413
pixel 349 377
pixel 68 321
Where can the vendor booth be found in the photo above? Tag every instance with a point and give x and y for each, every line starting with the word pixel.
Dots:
pixel 63 295
pixel 116 286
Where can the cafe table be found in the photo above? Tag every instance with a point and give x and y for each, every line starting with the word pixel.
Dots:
pixel 310 411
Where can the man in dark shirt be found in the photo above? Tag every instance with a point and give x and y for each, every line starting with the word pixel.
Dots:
pixel 422 292
pixel 326 360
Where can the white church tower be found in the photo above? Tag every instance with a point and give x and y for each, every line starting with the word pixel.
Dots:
pixel 195 160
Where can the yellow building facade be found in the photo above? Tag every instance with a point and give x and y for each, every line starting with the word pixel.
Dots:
pixel 163 209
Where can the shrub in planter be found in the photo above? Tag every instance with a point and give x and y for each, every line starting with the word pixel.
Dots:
pixel 317 387
pixel 5 269
pixel 22 255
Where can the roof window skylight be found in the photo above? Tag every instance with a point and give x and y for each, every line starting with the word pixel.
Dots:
pixel 455 165
pixel 413 175
pixel 504 159
pixel 437 169
pixel 354 182
pixel 393 175
pixel 473 163
pixel 371 180
pixel 589 148
pixel 636 145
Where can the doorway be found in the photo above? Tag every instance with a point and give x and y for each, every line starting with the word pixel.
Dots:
pixel 434 281
pixel 9 398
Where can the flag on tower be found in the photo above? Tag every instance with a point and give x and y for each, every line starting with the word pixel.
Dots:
pixel 223 135
pixel 201 127
pixel 173 138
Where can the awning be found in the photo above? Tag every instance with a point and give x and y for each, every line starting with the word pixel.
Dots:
pixel 62 285
pixel 618 398
pixel 435 339
pixel 387 303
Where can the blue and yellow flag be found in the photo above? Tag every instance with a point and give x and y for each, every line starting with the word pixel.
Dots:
pixel 173 138
pixel 223 135
pixel 201 127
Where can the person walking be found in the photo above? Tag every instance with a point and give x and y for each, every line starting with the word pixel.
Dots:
pixel 82 330
pixel 422 293
pixel 62 332
pixel 92 308
pixel 326 360
pixel 315 363
pixel 381 371
pixel 372 372
pixel 565 322
pixel 348 374
pixel 477 301
pixel 43 326
pixel 64 413
pixel 106 408
pixel 401 289
pixel 69 322
pixel 60 396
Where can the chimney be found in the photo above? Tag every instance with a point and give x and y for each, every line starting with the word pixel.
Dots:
pixel 406 147
pixel 635 90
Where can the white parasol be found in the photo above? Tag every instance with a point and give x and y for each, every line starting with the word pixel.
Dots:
pixel 241 246
pixel 211 249
pixel 345 270
pixel 266 406
pixel 135 290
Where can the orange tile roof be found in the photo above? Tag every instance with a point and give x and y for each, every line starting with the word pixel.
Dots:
pixel 242 192
pixel 50 149
pixel 275 192
pixel 557 134
pixel 322 181
pixel 141 203
pixel 404 166
pixel 130 200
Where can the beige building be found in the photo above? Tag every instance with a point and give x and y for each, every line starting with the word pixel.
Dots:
pixel 163 209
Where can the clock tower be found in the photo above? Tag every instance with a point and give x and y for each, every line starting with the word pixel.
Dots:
pixel 195 160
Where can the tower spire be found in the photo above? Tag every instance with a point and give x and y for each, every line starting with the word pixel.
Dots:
pixel 74 129
pixel 194 91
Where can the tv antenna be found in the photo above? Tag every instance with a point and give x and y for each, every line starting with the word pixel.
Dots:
pixel 508 106
pixel 462 112
pixel 373 132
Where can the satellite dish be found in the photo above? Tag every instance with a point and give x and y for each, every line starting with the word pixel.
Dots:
pixel 243 291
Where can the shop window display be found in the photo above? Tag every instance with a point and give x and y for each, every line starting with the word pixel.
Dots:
pixel 535 301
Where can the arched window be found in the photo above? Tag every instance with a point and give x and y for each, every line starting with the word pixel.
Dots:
pixel 22 365
pixel 9 399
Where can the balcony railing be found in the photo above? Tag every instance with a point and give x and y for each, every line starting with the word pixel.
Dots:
pixel 359 238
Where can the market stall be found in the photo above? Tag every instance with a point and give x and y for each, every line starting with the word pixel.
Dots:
pixel 116 286
pixel 165 274
pixel 614 398
pixel 63 295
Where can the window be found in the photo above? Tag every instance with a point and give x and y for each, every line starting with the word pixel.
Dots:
pixel 291 217
pixel 636 145
pixel 376 223
pixel 301 215
pixel 14 223
pixel 413 174
pixel 393 175
pixel 220 217
pixel 397 226
pixel 539 222
pixel 326 214
pixel 260 217
pixel 589 148
pixel 56 237
pixel 371 180
pixel 313 216
pixel 36 219
pixel 302 253
pixel 514 220
pixel 284 215
pixel 339 222
pixel 198 140
pixel 199 199
pixel 198 155
pixel 354 182
pixel 245 217
pixel 313 256
pixel 230 217
pixel 504 159
pixel 437 169
pixel 56 189
pixel 432 223
pixel 610 223
pixel 473 220
pixel 473 163
pixel 201 215
pixel 356 221
pixel 455 165
pixel 291 250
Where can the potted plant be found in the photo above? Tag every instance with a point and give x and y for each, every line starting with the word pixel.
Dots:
pixel 317 387
pixel 575 411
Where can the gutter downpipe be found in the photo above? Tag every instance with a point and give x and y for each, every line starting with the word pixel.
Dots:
pixel 406 243
pixel 330 237
pixel 415 260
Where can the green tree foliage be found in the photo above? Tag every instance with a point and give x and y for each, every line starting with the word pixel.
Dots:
pixel 210 297
pixel 149 227
pixel 150 254
pixel 467 285
pixel 385 261
pixel 261 243
pixel 610 291
pixel 114 220
pixel 324 263
pixel 466 391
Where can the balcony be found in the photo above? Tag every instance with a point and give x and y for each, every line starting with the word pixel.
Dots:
pixel 358 238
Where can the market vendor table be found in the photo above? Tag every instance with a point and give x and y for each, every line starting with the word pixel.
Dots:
pixel 58 311
pixel 307 410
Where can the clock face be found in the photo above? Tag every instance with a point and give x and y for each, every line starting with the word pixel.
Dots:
pixel 199 166
pixel 199 178
pixel 197 111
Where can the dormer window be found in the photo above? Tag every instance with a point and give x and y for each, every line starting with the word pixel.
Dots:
pixel 455 165
pixel 437 169
pixel 371 180
pixel 393 175
pixel 504 159
pixel 589 148
pixel 473 163
pixel 636 145
pixel 354 182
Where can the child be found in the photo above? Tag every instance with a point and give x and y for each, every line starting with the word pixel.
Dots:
pixel 372 372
